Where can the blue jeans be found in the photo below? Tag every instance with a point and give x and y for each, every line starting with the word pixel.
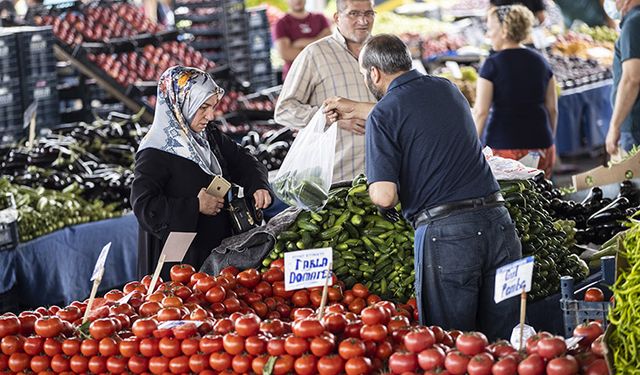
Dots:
pixel 456 258
pixel 627 141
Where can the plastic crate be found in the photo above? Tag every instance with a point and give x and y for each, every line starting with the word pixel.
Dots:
pixel 257 18
pixel 41 88
pixel 239 54
pixel 259 41
pixel 8 57
pixel 10 104
pixel 207 43
pixel 576 311
pixel 35 46
pixel 8 236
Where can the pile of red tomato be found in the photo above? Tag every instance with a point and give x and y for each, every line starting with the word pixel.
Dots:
pixel 245 322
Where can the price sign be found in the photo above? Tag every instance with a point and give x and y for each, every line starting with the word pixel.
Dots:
pixel 307 268
pixel 174 250
pixel 178 323
pixel 98 270
pixel 512 279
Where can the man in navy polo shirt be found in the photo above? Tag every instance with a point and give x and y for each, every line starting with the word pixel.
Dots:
pixel 422 151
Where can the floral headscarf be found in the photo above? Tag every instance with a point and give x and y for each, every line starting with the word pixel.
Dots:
pixel 181 92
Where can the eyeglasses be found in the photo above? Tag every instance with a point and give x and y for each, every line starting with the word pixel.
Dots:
pixel 355 14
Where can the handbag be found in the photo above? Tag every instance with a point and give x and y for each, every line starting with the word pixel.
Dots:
pixel 242 211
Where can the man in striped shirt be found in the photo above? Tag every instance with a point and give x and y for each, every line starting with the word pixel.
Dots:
pixel 329 68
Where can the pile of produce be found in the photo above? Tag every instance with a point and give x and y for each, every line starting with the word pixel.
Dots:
pixel 597 218
pixel 366 247
pixel 94 161
pixel 42 211
pixel 624 338
pixel 391 23
pixel 573 71
pixel 599 33
pixel 271 147
pixel 548 243
pixel 244 322
pixel 466 83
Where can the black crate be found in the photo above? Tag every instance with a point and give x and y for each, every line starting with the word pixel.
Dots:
pixel 41 88
pixel 261 68
pixel 207 43
pixel 10 104
pixel 8 56
pixel 259 42
pixel 258 56
pixel 8 236
pixel 35 46
pixel 262 82
pixel 257 18
pixel 239 54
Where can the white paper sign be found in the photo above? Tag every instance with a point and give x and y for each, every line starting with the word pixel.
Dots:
pixel 177 245
pixel 513 278
pixel 307 268
pixel 177 323
pixel 98 270
pixel 126 298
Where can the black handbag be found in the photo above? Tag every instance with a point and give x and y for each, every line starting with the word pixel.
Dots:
pixel 242 211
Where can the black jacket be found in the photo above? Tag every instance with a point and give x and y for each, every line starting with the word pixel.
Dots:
pixel 164 199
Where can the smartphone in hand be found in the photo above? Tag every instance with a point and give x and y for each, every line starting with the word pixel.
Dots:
pixel 218 187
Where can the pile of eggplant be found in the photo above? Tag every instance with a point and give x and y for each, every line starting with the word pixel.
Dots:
pixel 271 147
pixel 93 160
pixel 597 218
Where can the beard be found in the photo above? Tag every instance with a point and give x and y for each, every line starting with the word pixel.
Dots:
pixel 376 92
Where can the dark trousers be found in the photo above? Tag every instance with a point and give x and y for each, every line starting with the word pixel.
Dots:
pixel 456 258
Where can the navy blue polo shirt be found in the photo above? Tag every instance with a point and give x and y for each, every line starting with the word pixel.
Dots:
pixel 627 47
pixel 422 137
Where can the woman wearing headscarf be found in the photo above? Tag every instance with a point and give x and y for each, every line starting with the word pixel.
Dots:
pixel 175 163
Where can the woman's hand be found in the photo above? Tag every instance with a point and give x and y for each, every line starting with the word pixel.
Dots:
pixel 262 198
pixel 209 205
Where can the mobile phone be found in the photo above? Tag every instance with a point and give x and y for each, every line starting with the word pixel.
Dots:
pixel 219 187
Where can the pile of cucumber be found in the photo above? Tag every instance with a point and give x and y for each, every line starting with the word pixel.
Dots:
pixel 302 189
pixel 549 243
pixel 366 247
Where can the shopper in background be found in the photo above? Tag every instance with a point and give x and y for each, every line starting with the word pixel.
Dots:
pixel 516 91
pixel 296 30
pixel 177 160
pixel 590 12
pixel 423 152
pixel 537 7
pixel 624 128
pixel 327 68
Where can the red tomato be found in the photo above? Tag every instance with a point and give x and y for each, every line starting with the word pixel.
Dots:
pixel 384 350
pixel 358 366
pixel 233 343
pixel 501 349
pixel 169 347
pixel 101 328
pixel 149 347
pixel 258 364
pixel 117 365
pixel 590 331
pixel 305 365
pixel 69 313
pixel 552 347
pixel 594 295
pixel 108 347
pixel 9 325
pixel 33 345
pixel 27 323
pixel 158 365
pixel 505 366
pixel 532 365
pixel 597 347
pixel 403 361
pixel 283 365
pixel 223 326
pixel 597 367
pixel 209 344
pixel 89 347
pixel 19 362
pixel 129 347
pixel 330 365
pixel 532 342
pixel 248 278
pixel 98 365
pixel 182 273
pixel 376 332
pixel 220 361
pixel 215 294
pixel 198 363
pixel 296 346
pixel 138 364
pixel 60 363
pixel 241 363
pixel 471 343
pixel 49 326
pixel 562 366
pixel 432 358
pixel 456 362
pixel 419 339
pixel 255 345
pixel 300 298
pixel 335 322
pixel 248 325
pixel 353 329
pixel 321 346
pixel 480 364
pixel 275 346
pixel 169 313
pixel 272 326
pixel 360 290
pixel 143 328
pixel 351 348
pixel 179 365
pixel 373 315
pixel 308 327
pixel 40 363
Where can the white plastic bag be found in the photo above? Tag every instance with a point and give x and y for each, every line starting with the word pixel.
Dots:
pixel 508 169
pixel 305 177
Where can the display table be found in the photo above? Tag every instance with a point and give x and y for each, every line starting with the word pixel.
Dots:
pixel 56 268
pixel 583 118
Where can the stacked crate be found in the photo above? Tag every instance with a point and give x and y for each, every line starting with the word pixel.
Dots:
pixel 38 73
pixel 261 74
pixel 10 89
pixel 205 21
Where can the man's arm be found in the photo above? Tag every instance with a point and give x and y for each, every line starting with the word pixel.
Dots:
pixel 303 42
pixel 293 108
pixel 286 49
pixel 626 96
pixel 384 194
pixel 337 108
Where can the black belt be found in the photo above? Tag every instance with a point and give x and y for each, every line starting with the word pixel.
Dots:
pixel 434 213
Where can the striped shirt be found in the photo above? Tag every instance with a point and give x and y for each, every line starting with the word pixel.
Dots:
pixel 322 70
